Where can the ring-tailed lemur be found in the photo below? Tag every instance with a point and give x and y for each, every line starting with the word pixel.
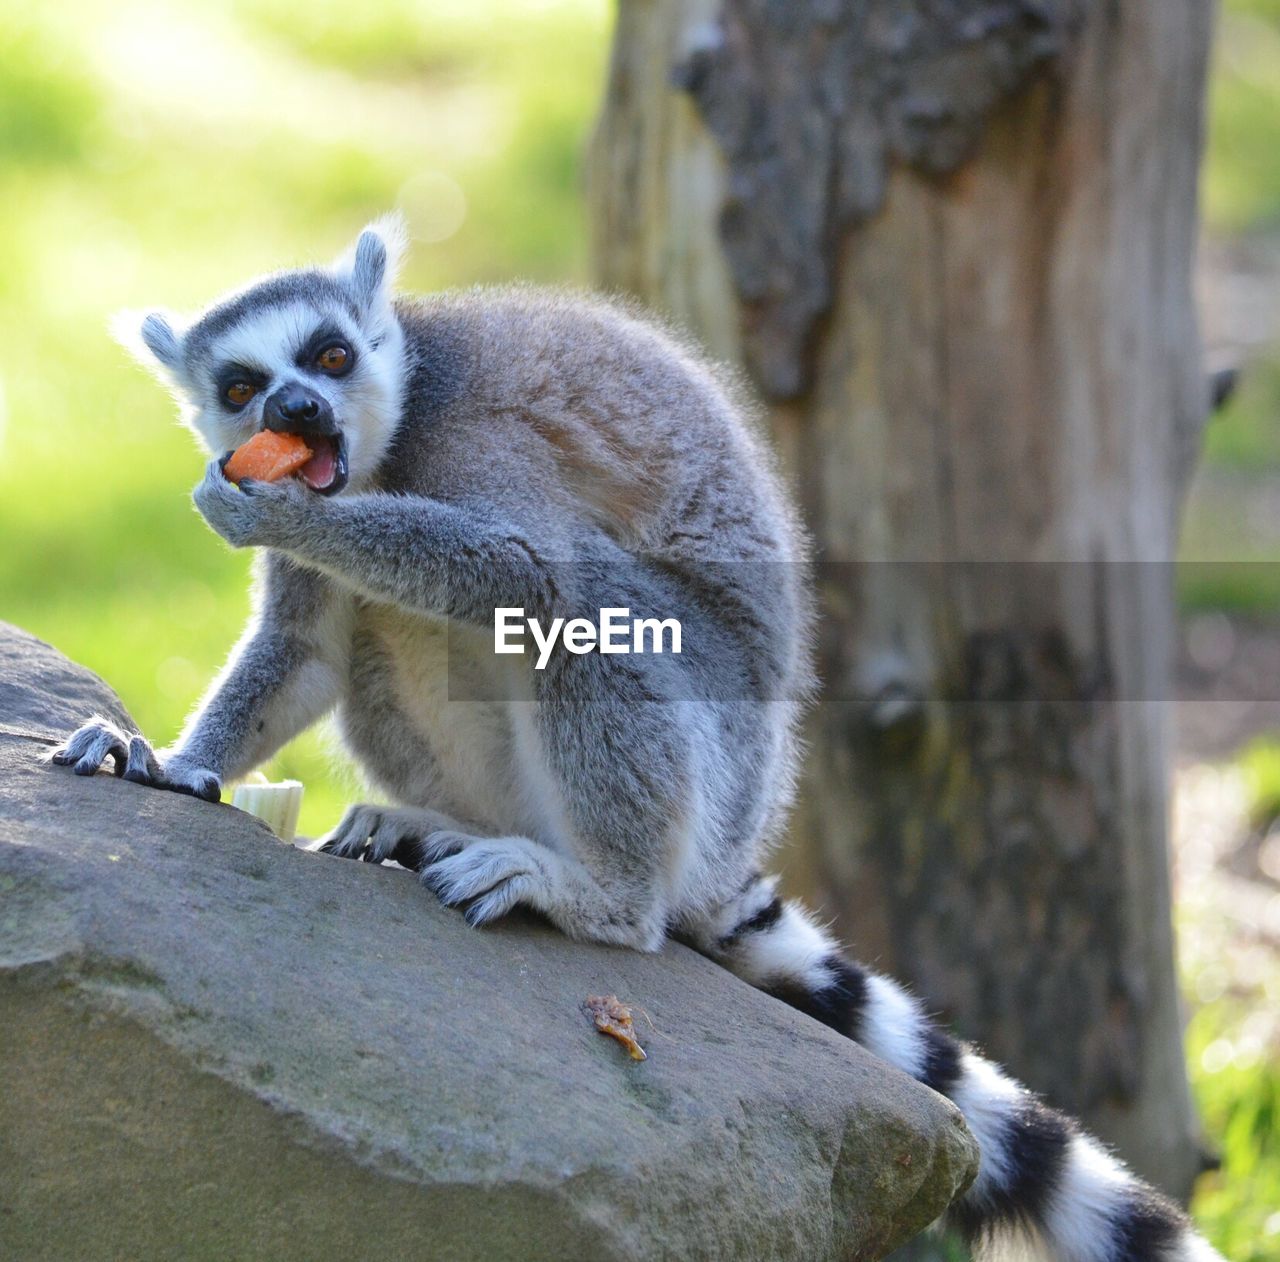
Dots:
pixel 515 448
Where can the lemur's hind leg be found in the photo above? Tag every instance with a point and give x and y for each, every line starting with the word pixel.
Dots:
pixel 610 761
pixel 612 782
pixel 1045 1188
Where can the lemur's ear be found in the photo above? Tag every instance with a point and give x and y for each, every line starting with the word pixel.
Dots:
pixel 372 263
pixel 160 339
pixel 151 339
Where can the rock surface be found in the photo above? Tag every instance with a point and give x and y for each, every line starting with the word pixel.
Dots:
pixel 216 1045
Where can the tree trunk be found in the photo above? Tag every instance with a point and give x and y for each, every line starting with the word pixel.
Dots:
pixel 951 243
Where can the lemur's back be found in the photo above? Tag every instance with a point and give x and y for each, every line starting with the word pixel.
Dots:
pixel 577 413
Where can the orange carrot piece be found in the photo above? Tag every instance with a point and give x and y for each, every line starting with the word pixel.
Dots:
pixel 268 456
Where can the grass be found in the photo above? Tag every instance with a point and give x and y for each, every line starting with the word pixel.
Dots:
pixel 1230 933
pixel 1233 1045
pixel 1237 1090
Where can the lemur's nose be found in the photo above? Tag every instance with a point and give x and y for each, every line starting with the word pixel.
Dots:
pixel 293 407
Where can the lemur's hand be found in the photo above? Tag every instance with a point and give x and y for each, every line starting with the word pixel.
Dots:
pixel 253 514
pixel 88 748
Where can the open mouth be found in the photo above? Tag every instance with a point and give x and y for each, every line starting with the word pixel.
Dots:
pixel 326 471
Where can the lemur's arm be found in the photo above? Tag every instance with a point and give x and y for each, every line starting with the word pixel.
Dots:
pixel 415 552
pixel 282 676
pixel 285 673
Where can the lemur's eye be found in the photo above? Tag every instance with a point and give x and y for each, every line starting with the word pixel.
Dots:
pixel 238 393
pixel 333 359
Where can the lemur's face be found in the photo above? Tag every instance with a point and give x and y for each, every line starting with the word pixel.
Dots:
pixel 316 353
pixel 301 366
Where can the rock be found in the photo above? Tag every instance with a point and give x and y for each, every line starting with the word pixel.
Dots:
pixel 43 695
pixel 217 1045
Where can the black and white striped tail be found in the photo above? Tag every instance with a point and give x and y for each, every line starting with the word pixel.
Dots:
pixel 1045 1191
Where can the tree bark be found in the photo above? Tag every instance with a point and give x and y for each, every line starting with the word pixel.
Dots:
pixel 951 243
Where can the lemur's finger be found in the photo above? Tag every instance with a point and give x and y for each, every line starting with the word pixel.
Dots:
pixel 69 752
pixel 329 844
pixel 141 766
pixel 351 834
pixel 205 786
pixel 392 832
pixel 497 902
pixel 441 845
pixel 468 875
pixel 78 743
pixel 208 789
pixel 341 846
pixel 436 882
pixel 105 741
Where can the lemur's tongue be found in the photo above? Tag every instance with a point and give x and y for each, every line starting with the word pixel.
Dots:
pixel 319 472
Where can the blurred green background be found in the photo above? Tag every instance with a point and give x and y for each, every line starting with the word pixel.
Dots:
pixel 158 153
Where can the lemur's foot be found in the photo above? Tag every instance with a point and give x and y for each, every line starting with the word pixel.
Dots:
pixel 133 758
pixel 485 876
pixel 412 838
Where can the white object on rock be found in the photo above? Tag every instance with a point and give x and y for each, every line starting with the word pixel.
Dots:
pixel 276 805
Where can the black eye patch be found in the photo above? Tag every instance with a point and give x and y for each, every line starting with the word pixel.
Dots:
pixel 326 335
pixel 229 374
